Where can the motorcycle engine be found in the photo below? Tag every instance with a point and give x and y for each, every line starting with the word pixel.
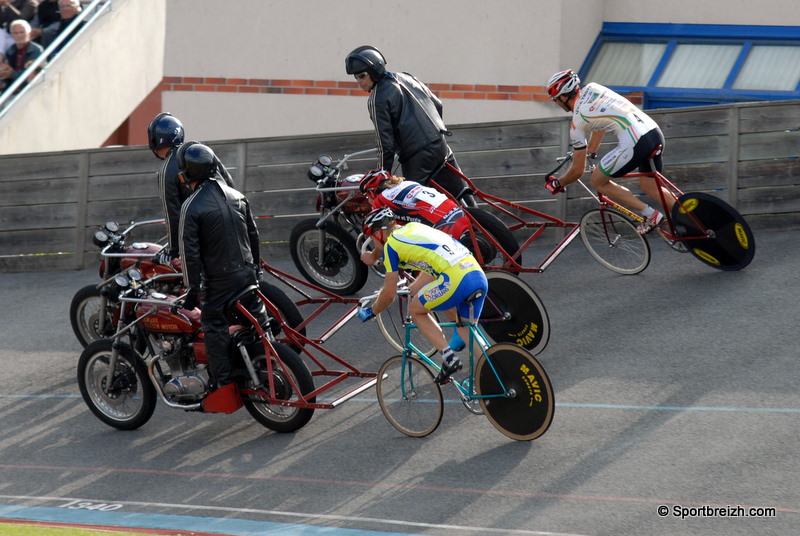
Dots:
pixel 189 388
pixel 188 382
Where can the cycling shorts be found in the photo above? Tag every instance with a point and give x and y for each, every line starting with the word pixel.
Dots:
pixel 624 158
pixel 455 285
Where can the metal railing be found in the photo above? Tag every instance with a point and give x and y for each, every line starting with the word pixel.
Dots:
pixel 38 68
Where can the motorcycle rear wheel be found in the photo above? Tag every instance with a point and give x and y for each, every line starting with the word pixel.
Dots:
pixel 277 417
pixel 130 400
pixel 287 308
pixel 341 270
pixel 501 234
pixel 84 315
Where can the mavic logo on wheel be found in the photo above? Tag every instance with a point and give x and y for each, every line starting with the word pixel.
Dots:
pixel 706 257
pixel 741 235
pixel 532 383
pixel 527 335
pixel 689 205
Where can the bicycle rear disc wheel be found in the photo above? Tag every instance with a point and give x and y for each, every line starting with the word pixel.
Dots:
pixel 514 313
pixel 528 412
pixel 408 396
pixel 390 324
pixel 724 239
pixel 612 239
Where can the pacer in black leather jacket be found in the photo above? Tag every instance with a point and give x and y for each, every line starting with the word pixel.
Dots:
pixel 219 246
pixel 164 135
pixel 408 121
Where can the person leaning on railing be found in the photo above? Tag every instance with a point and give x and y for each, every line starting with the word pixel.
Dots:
pixel 69 9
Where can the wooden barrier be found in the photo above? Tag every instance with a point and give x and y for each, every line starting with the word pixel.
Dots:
pixel 50 203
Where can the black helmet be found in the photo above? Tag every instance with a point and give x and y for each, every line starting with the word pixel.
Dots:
pixel 164 131
pixel 196 162
pixel 366 58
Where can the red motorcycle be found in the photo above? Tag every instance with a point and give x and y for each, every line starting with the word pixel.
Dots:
pixel 94 310
pixel 121 384
pixel 326 249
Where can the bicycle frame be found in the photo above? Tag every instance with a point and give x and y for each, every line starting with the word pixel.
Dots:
pixel 665 188
pixel 466 387
pixel 523 218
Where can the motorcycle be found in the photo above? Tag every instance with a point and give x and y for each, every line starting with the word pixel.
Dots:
pixel 121 384
pixel 326 250
pixel 94 310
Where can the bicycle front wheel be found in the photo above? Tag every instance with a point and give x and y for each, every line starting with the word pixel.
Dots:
pixel 514 313
pixel 390 323
pixel 611 238
pixel 408 396
pixel 526 410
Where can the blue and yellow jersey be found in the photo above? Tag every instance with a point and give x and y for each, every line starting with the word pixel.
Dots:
pixel 416 246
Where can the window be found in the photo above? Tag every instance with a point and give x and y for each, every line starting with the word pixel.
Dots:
pixel 686 64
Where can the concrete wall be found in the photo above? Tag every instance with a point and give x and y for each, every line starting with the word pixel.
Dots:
pixel 96 84
pixel 516 43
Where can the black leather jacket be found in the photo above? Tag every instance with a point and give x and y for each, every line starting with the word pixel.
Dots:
pixel 173 194
pixel 406 115
pixel 218 234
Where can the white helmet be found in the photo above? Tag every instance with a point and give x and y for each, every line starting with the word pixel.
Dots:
pixel 562 83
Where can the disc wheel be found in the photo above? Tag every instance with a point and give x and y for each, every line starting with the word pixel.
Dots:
pixel 612 239
pixel 527 411
pixel 339 269
pixel 278 417
pixel 408 396
pixel 724 239
pixel 513 312
pixel 85 313
pixel 501 234
pixel 125 401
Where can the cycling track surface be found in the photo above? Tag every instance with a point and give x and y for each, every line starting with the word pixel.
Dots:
pixel 675 388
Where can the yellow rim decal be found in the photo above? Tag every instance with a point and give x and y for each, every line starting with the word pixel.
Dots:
pixel 528 334
pixel 689 205
pixel 741 235
pixel 705 256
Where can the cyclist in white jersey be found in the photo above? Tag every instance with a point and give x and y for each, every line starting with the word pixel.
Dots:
pixel 596 110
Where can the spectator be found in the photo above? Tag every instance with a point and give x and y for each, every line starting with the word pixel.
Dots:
pixel 11 10
pixel 408 122
pixel 22 53
pixel 69 9
pixel 46 15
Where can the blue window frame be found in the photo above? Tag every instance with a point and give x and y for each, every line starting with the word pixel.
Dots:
pixel 695 64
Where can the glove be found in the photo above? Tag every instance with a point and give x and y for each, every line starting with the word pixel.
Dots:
pixel 552 184
pixel 365 313
pixel 163 258
pixel 190 301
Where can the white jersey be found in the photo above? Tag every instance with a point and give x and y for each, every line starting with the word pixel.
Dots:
pixel 599 108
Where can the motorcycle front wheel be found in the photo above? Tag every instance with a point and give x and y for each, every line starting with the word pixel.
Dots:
pixel 339 269
pixel 84 315
pixel 278 417
pixel 125 402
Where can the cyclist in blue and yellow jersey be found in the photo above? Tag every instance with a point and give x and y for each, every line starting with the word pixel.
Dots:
pixel 448 275
pixel 596 110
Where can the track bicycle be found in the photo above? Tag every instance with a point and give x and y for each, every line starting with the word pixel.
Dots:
pixel 699 223
pixel 504 382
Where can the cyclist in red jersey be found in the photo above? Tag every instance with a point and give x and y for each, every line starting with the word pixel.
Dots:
pixel 410 201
